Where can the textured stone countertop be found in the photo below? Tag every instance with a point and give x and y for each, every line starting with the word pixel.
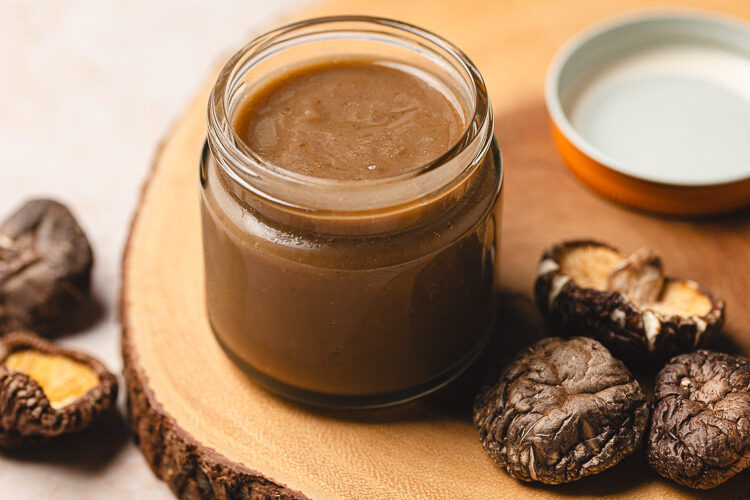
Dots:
pixel 87 90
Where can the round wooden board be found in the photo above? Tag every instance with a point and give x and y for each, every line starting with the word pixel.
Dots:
pixel 209 432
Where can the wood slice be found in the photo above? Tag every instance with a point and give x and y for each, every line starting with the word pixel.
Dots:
pixel 210 432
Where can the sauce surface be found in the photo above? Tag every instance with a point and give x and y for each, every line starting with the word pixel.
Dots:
pixel 350 120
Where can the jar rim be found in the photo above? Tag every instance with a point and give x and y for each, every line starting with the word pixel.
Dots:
pixel 245 166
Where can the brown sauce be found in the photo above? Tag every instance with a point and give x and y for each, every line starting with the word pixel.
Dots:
pixel 350 314
pixel 350 120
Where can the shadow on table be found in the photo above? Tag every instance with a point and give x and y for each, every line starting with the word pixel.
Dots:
pixel 89 450
pixel 85 316
pixel 632 473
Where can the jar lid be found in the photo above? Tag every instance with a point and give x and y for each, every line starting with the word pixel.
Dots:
pixel 653 110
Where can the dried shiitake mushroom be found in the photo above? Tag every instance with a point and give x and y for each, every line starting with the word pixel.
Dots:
pixel 625 302
pixel 45 267
pixel 47 391
pixel 700 429
pixel 562 410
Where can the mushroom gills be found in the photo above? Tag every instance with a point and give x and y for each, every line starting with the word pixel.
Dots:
pixel 593 266
pixel 62 379
pixel 589 265
pixel 681 298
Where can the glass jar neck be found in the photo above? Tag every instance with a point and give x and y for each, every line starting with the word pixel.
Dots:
pixel 378 203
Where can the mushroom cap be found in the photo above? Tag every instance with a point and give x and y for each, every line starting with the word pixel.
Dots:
pixel 28 415
pixel 589 288
pixel 700 429
pixel 562 410
pixel 45 267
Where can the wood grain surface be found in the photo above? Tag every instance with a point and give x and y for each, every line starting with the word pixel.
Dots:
pixel 209 432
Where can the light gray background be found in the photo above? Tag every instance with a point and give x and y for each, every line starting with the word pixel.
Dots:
pixel 87 90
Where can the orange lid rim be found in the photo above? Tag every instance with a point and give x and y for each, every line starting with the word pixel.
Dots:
pixel 647 195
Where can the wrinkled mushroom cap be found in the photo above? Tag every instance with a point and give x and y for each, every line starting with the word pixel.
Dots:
pixel 700 429
pixel 590 288
pixel 562 410
pixel 45 267
pixel 48 391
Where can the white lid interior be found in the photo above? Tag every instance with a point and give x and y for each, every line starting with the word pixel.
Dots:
pixel 664 97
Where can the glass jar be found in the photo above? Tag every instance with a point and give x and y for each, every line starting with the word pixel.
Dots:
pixel 350 293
